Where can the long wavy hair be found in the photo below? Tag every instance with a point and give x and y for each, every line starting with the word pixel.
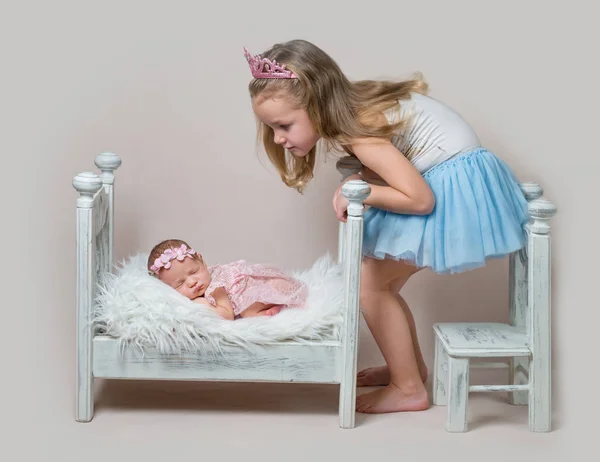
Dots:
pixel 340 110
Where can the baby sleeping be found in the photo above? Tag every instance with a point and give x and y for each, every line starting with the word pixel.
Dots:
pixel 234 290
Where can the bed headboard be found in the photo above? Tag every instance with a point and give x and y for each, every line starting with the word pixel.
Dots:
pixel 95 231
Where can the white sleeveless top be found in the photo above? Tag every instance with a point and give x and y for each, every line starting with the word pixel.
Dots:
pixel 433 132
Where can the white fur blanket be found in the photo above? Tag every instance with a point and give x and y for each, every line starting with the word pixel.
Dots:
pixel 141 311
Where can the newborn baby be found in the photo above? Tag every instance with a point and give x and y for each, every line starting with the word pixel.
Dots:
pixel 235 290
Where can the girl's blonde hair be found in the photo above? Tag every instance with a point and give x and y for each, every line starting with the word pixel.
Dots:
pixel 340 110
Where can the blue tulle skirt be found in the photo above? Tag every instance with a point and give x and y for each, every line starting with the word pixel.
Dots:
pixel 480 213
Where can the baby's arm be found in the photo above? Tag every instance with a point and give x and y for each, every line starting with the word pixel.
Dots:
pixel 226 313
pixel 223 304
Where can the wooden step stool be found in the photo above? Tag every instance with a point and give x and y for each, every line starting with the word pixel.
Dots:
pixel 525 341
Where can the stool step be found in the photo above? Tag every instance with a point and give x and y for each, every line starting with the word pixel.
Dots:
pixel 485 339
pixel 484 388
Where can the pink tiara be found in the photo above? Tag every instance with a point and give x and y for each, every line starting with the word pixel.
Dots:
pixel 263 68
pixel 164 261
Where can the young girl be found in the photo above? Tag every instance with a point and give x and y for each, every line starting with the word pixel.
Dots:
pixel 438 198
pixel 234 290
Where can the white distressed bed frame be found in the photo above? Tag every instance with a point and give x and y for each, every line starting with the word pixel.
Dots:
pixel 98 356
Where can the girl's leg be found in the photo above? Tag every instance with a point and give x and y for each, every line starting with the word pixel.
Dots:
pixel 390 327
pixel 380 375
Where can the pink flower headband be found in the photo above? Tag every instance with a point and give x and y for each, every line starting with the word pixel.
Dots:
pixel 164 261
pixel 264 68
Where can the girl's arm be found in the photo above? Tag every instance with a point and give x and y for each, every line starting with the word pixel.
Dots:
pixel 408 192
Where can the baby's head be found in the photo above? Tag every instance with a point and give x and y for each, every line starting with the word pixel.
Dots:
pixel 175 263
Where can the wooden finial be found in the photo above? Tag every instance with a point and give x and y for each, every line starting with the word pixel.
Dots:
pixel 531 190
pixel 356 191
pixel 348 166
pixel 108 163
pixel 541 210
pixel 87 183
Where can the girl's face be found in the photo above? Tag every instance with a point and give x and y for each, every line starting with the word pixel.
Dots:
pixel 291 127
pixel 189 277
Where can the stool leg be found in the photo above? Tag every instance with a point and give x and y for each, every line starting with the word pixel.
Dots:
pixel 518 369
pixel 458 394
pixel 440 375
pixel 519 366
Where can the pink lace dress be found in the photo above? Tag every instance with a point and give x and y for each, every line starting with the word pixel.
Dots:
pixel 247 283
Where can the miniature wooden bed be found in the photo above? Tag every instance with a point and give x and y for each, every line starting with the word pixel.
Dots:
pixel 98 356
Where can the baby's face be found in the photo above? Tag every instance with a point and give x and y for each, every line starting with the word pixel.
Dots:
pixel 189 277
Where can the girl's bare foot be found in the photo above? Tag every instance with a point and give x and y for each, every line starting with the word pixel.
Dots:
pixel 378 376
pixel 393 399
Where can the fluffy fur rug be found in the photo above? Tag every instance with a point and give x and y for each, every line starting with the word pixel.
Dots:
pixel 141 311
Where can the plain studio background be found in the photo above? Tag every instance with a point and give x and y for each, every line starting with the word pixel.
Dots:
pixel 164 85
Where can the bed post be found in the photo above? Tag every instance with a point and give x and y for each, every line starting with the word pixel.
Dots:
pixel 341 234
pixel 518 280
pixel 108 162
pixel 356 191
pixel 539 321
pixel 347 166
pixel 87 184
